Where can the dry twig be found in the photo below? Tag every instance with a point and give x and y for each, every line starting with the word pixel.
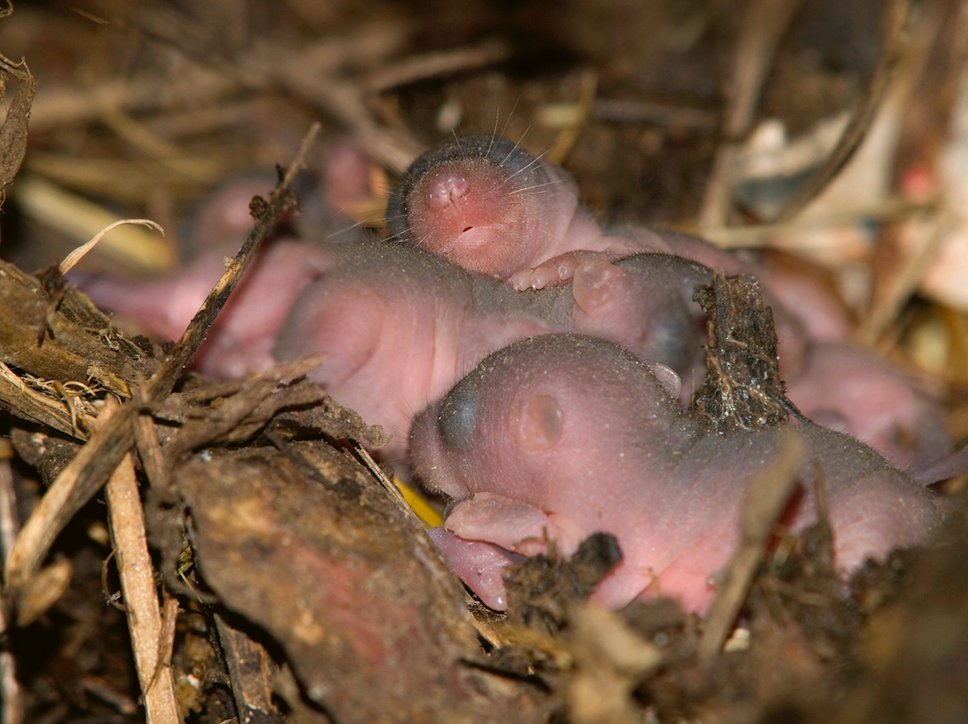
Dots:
pixel 422 67
pixel 897 43
pixel 905 281
pixel 767 495
pixel 765 23
pixel 127 526
pixel 96 461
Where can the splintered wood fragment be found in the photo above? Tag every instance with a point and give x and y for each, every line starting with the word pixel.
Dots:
pixel 75 485
pixel 282 373
pixel 107 447
pixel 767 495
pixel 248 409
pixel 389 485
pixel 251 672
pixel 232 411
pixel 149 451
pixel 137 575
pixel 742 389
pixel 244 414
pixel 34 406
pixel 9 521
pixel 77 343
pixel 166 638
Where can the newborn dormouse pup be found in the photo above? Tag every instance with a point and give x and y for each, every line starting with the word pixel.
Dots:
pixel 242 337
pixel 486 204
pixel 561 436
pixel 401 326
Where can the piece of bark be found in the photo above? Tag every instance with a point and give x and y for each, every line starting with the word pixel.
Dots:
pixel 347 583
pixel 74 342
pixel 13 133
pixel 50 454
pixel 250 672
pixel 742 389
pixel 244 413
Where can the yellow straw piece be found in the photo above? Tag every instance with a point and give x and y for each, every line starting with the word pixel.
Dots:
pixel 430 517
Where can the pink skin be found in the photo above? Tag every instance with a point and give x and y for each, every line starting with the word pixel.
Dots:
pixel 345 175
pixel 612 296
pixel 644 303
pixel 796 284
pixel 224 220
pixel 560 436
pixel 242 337
pixel 488 206
pixel 399 327
pixel 838 385
pixel 443 320
pixel 852 389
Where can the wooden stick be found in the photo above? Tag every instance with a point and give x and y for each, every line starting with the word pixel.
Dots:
pixel 127 525
pixel 85 475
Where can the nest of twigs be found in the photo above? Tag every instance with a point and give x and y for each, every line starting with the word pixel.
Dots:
pixel 238 539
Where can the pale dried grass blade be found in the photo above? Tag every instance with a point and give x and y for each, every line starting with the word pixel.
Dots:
pixel 75 256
